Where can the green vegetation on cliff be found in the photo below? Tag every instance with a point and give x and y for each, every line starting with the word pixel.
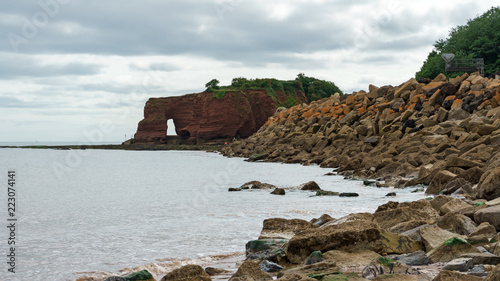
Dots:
pixel 479 38
pixel 313 88
pixel 316 89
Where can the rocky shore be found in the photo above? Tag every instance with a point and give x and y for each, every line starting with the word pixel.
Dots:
pixel 445 134
pixel 441 133
pixel 440 238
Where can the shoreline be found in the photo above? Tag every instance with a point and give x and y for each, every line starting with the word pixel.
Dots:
pixel 137 146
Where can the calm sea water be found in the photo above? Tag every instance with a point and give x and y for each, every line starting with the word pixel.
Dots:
pixel 97 210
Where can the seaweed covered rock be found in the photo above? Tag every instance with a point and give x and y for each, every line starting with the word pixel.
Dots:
pixel 451 249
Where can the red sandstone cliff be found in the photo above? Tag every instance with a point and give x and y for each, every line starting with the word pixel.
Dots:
pixel 203 116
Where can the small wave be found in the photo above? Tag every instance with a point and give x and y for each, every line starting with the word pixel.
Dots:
pixel 159 268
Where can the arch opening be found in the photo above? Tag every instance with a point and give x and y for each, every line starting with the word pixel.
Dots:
pixel 171 128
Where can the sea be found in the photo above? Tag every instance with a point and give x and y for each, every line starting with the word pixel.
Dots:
pixel 89 214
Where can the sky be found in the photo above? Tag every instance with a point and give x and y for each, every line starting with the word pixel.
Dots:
pixel 81 71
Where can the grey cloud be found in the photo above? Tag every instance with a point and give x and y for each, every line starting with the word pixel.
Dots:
pixel 12 102
pixel 22 66
pixel 167 67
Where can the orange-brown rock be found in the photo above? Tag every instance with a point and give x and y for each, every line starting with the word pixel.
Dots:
pixel 204 116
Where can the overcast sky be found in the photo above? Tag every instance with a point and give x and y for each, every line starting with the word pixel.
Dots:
pixel 83 70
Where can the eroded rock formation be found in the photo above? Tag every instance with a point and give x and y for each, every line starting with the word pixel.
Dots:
pixel 204 116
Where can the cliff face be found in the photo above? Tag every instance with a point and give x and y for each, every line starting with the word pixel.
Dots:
pixel 204 116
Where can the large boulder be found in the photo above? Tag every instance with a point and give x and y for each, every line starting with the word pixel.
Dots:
pixel 459 223
pixel 453 206
pixel 488 185
pixel 351 262
pixel 433 236
pixel 451 249
pixel 415 258
pixel 439 181
pixel 312 185
pixel 438 201
pixel 190 272
pixel 455 161
pixel 279 228
pixel 406 226
pixel 399 244
pixel 483 258
pixel 405 212
pixel 349 218
pixel 484 229
pixel 348 234
pixel 250 271
pixel 490 214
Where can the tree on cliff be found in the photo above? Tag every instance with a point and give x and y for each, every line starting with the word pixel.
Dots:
pixel 479 38
pixel 316 89
pixel 212 85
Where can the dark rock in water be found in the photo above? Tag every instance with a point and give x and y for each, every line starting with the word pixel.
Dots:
pixel 390 194
pixel 116 278
pixel 330 174
pixel 269 255
pixel 312 185
pixel 348 194
pixel 215 271
pixel 278 191
pixel 415 258
pixel 314 257
pixel 142 275
pixel 234 189
pixel 265 249
pixel 268 266
pixel 369 182
pixel 257 185
pixel 187 272
pixel 326 193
